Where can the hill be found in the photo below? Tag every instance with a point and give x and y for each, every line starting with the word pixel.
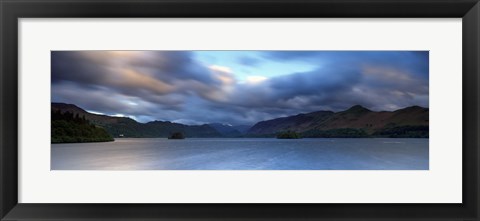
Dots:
pixel 127 127
pixel 356 121
pixel 242 128
pixel 226 130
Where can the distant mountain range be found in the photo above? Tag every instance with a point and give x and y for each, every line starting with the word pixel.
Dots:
pixel 127 127
pixel 354 122
pixel 357 121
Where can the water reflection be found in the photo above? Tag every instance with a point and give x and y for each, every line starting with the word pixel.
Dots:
pixel 243 154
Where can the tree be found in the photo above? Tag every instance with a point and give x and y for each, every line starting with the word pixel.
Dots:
pixel 70 128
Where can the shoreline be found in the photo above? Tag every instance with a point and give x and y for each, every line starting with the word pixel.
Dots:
pixel 241 138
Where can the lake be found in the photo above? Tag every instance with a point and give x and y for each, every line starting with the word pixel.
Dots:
pixel 243 154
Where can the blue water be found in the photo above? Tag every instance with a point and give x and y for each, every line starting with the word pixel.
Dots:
pixel 243 154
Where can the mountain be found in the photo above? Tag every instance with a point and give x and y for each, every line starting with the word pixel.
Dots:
pixel 226 130
pixel 127 127
pixel 300 122
pixel 242 128
pixel 356 121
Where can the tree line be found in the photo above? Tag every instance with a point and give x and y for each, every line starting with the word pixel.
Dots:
pixel 68 127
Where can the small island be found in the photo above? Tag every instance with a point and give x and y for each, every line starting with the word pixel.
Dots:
pixel 177 136
pixel 288 135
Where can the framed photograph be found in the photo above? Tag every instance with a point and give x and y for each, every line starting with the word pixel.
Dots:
pixel 254 110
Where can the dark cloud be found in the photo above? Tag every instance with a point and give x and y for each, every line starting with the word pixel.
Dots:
pixel 416 62
pixel 172 85
pixel 369 79
pixel 147 75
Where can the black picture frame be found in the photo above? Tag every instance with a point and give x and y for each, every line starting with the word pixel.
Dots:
pixel 12 10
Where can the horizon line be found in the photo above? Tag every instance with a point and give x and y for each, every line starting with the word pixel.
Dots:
pixel 103 114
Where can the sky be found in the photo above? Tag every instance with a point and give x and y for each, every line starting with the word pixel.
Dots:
pixel 237 87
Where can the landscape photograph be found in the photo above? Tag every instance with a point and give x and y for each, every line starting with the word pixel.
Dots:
pixel 239 110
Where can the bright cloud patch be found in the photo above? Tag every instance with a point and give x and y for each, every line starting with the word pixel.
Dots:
pixel 256 79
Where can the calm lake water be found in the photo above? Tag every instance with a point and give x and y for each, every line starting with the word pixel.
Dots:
pixel 243 154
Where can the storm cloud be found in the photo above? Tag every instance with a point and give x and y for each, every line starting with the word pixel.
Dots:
pixel 240 87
